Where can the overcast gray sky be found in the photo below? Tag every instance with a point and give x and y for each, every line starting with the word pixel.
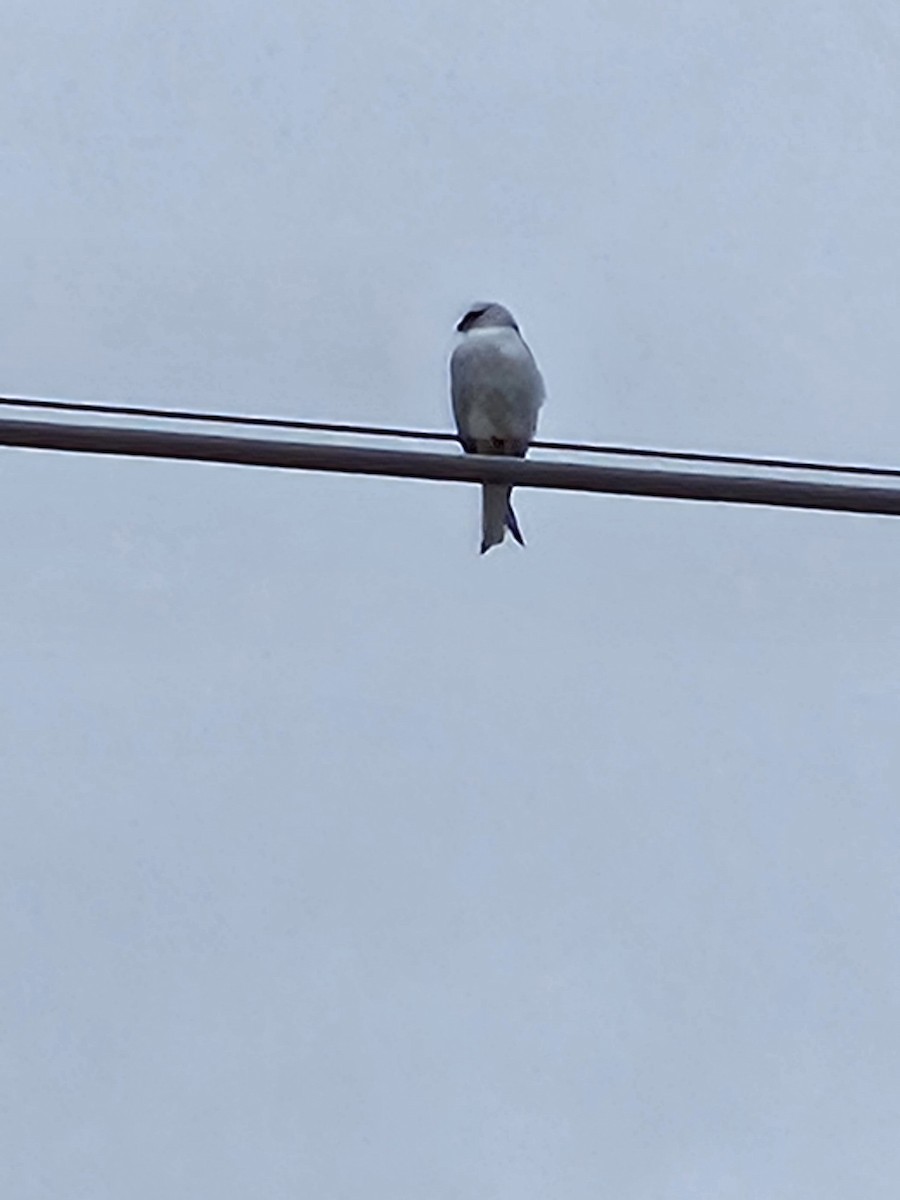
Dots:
pixel 338 861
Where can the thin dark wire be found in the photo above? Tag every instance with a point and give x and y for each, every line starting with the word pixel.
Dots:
pixel 430 435
pixel 186 414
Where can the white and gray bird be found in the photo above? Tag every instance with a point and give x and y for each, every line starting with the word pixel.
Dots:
pixel 497 391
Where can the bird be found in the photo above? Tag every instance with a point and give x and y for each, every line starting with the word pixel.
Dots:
pixel 496 390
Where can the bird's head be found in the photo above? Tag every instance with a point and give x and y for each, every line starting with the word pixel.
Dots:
pixel 487 315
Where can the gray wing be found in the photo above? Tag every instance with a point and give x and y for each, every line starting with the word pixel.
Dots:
pixel 463 395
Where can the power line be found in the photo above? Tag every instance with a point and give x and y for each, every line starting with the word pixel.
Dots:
pixel 463 468
pixel 385 431
pixel 186 414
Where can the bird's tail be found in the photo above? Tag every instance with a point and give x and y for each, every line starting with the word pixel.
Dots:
pixel 497 516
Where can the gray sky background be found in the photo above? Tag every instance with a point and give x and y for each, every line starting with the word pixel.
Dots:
pixel 338 861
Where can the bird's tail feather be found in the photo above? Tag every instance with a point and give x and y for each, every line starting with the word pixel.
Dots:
pixel 497 516
pixel 511 523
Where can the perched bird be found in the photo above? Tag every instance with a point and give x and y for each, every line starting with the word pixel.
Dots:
pixel 497 390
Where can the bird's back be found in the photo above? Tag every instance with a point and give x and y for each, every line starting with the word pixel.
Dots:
pixel 496 387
